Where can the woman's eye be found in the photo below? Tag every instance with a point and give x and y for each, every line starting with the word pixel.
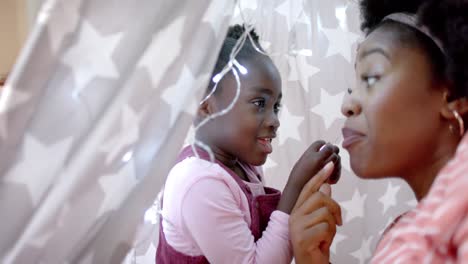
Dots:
pixel 370 80
pixel 277 108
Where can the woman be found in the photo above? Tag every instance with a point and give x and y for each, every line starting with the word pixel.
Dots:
pixel 406 116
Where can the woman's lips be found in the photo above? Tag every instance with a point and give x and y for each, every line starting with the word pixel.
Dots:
pixel 351 137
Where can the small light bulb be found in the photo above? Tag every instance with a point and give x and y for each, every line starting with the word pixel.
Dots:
pixel 151 216
pixel 127 156
pixel 241 68
pixel 217 78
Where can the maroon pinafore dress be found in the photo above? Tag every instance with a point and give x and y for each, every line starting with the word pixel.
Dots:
pixel 260 207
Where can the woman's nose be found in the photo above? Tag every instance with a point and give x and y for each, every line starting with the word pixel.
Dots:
pixel 350 106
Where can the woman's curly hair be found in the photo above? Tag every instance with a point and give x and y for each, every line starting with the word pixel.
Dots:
pixel 447 20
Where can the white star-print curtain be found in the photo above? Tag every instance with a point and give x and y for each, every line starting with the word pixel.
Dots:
pixel 101 99
pixel 92 117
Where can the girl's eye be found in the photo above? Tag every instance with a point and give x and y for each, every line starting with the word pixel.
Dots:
pixel 259 103
pixel 370 80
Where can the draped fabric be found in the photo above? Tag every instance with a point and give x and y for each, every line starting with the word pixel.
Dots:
pixel 92 117
pixel 101 99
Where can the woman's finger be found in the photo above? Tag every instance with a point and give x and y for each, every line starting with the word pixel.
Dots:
pixel 326 189
pixel 321 215
pixel 318 200
pixel 313 185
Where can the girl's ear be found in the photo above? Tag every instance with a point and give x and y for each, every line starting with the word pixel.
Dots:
pixel 204 109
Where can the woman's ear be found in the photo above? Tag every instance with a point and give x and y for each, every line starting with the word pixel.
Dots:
pixel 459 105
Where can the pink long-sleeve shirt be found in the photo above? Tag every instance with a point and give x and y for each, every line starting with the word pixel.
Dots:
pixel 206 213
pixel 436 231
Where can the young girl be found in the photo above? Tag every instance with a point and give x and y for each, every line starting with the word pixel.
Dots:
pixel 221 212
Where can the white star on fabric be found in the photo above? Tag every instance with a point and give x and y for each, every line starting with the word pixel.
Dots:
pixel 65 20
pixel 212 15
pixel 329 107
pixel 127 135
pixel 116 187
pixel 336 240
pixel 38 165
pixel 91 56
pixel 289 126
pixel 389 198
pixel 304 18
pixel 9 99
pixel 244 4
pixel 284 10
pixel 301 70
pixel 340 42
pixel 157 61
pixel 354 207
pixel 364 252
pixel 291 11
pixel 182 95
pixel 149 255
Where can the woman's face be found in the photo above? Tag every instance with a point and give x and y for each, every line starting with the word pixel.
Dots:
pixel 393 112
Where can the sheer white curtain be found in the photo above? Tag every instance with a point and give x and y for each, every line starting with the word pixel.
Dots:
pixel 91 118
pixel 101 99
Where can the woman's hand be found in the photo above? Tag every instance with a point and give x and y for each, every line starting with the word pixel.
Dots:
pixel 313 221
